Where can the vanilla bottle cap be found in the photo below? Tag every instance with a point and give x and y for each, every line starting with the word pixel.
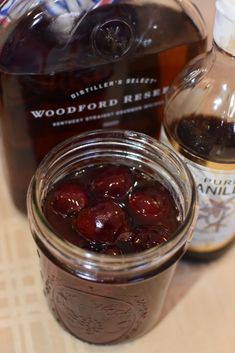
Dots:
pixel 224 27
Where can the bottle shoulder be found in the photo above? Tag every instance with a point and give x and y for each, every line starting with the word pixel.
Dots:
pixel 210 66
pixel 200 109
pixel 44 42
pixel 206 85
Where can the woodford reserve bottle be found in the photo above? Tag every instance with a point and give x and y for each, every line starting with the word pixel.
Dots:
pixel 68 66
pixel 200 124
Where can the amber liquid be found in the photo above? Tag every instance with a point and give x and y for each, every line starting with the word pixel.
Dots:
pixel 51 91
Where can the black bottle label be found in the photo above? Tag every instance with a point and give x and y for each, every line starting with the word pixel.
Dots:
pixel 107 103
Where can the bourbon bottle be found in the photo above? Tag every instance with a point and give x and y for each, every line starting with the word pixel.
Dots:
pixel 69 66
pixel 200 125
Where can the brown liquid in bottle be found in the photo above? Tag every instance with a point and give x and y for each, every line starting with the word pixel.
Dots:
pixel 208 137
pixel 211 139
pixel 112 73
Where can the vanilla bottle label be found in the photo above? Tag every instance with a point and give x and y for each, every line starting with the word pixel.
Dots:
pixel 215 226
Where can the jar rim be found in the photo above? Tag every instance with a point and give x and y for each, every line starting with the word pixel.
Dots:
pixel 87 263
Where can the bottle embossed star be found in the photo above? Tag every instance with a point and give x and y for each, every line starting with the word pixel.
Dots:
pixel 71 66
pixel 200 125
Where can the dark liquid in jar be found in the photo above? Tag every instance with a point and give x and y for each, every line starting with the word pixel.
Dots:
pixel 51 91
pixel 111 210
pixel 104 313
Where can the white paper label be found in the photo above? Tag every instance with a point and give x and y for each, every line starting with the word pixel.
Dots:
pixel 216 220
pixel 215 226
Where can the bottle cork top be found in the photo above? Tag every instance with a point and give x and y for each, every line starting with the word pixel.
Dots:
pixel 224 26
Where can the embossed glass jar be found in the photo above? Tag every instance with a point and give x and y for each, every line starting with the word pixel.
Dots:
pixel 99 298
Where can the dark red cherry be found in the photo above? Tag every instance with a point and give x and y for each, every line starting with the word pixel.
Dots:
pixel 147 236
pixel 102 222
pixel 112 181
pixel 151 204
pixel 68 197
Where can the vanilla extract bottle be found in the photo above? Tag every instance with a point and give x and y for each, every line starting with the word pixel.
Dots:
pixel 200 124
pixel 70 66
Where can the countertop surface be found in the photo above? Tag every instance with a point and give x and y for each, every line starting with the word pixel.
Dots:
pixel 198 315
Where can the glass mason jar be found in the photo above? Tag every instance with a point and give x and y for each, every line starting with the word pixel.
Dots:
pixel 99 298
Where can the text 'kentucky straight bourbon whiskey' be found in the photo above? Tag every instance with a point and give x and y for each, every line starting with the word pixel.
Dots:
pixel 67 68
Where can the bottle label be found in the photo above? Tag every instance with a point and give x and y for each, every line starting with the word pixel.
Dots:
pixel 91 104
pixel 216 222
pixel 215 226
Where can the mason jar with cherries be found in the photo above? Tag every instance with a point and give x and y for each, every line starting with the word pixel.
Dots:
pixel 111 213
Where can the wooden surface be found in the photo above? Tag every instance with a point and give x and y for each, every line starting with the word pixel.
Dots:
pixel 198 315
